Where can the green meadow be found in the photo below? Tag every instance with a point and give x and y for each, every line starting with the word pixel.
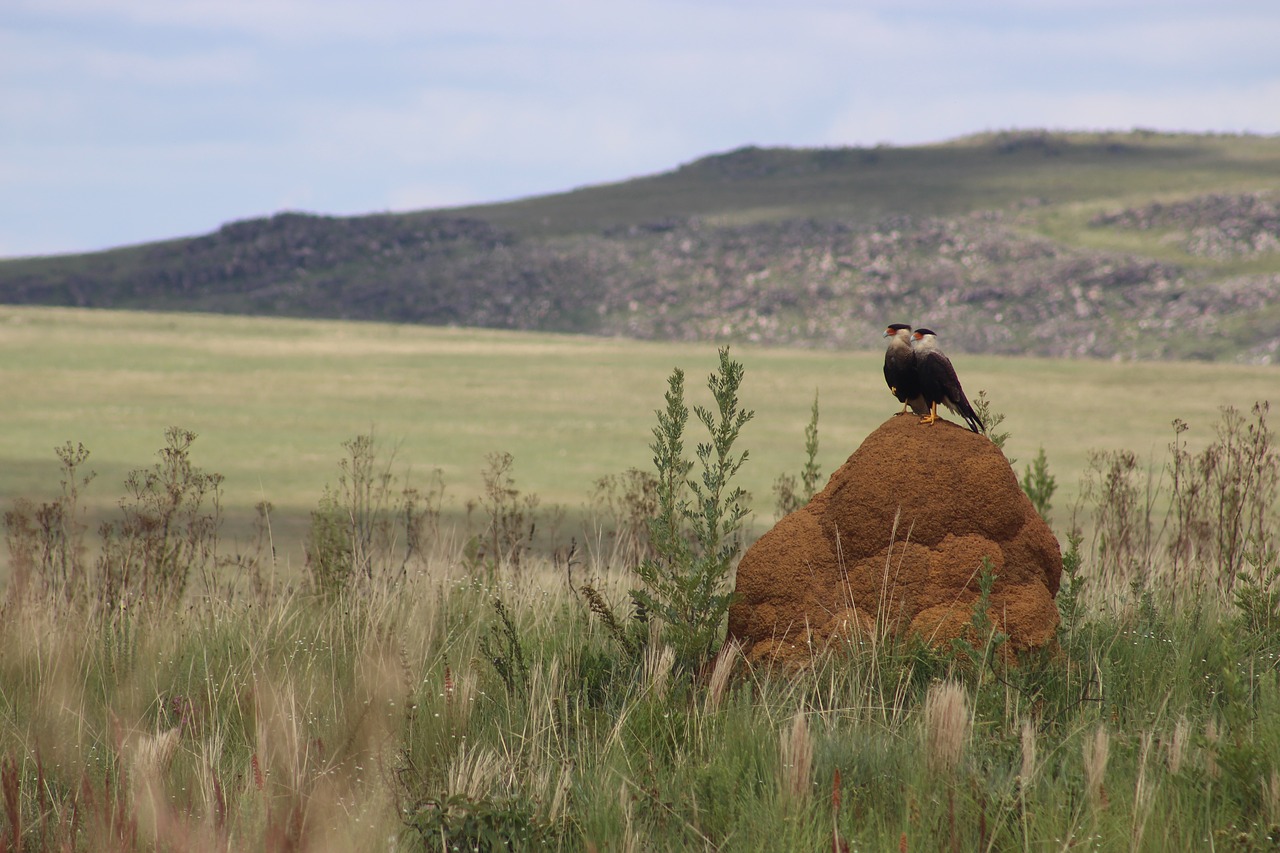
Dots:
pixel 449 700
pixel 272 401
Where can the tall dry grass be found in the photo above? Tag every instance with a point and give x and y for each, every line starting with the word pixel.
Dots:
pixel 301 723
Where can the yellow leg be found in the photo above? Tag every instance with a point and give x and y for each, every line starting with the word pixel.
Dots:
pixel 932 417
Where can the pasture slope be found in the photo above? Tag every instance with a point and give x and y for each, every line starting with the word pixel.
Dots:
pixel 273 400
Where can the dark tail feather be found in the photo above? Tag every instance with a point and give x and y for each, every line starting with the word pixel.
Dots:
pixel 975 423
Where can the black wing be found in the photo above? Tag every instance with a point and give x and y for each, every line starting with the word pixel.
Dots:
pixel 944 387
pixel 900 373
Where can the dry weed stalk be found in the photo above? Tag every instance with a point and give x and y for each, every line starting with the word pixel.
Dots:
pixel 1096 750
pixel 1143 793
pixel 947 724
pixel 659 660
pixel 473 772
pixel 1177 746
pixel 796 753
pixel 1211 737
pixel 1028 752
pixel 720 673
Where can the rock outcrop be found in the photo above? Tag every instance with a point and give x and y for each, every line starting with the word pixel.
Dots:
pixel 895 542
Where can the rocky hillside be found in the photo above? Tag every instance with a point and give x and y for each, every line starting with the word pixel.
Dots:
pixel 1155 268
pixel 981 278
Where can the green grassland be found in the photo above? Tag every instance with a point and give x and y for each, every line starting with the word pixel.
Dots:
pixel 273 400
pixel 453 704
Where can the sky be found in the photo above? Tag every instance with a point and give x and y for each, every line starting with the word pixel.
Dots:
pixel 128 121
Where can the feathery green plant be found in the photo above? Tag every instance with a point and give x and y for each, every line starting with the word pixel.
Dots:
pixel 990 419
pixel 695 533
pixel 1039 484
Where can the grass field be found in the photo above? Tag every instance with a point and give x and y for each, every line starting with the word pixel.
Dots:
pixel 465 705
pixel 273 400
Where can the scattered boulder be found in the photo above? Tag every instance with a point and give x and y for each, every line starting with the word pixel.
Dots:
pixel 895 542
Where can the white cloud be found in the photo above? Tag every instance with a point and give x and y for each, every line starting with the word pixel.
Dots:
pixel 151 115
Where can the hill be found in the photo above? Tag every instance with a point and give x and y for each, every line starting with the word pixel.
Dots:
pixel 1135 245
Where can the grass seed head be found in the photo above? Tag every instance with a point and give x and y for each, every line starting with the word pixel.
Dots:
pixel 947 724
pixel 1096 750
pixel 796 754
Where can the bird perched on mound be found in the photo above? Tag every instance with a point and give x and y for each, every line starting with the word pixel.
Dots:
pixel 900 369
pixel 939 383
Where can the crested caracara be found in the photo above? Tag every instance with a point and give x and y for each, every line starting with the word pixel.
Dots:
pixel 900 369
pixel 939 383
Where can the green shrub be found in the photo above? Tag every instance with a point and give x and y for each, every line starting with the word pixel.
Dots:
pixel 695 533
pixel 1039 484
pixel 481 825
